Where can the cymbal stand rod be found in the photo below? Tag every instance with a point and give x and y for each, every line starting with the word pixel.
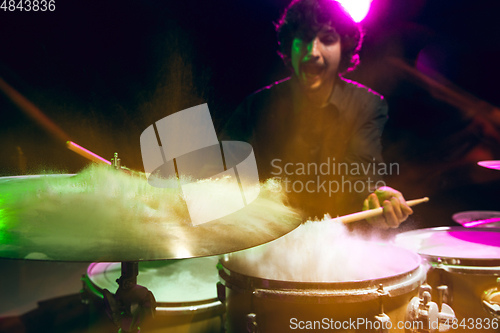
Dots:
pixel 131 303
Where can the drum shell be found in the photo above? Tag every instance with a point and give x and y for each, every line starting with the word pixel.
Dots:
pixel 204 316
pixel 467 277
pixel 275 303
pixel 466 285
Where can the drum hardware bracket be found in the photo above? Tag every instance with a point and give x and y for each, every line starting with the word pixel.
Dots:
pixel 84 296
pixel 446 313
pixel 424 288
pixel 252 326
pixel 426 314
pixel 381 295
pixel 445 294
pixel 382 318
pixel 491 300
pixel 131 303
pixel 221 296
pixel 116 162
pixel 221 292
pixel 384 321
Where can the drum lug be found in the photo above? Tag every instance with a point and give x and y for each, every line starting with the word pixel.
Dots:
pixel 426 315
pixel 252 326
pixel 384 323
pixel 421 312
pixel 446 318
pixel 383 319
pixel 424 288
pixel 491 300
pixel 445 292
pixel 221 292
pixel 492 308
pixel 446 313
pixel 442 295
pixel 221 296
pixel 84 295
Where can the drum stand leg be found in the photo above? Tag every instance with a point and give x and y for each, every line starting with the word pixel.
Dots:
pixel 132 303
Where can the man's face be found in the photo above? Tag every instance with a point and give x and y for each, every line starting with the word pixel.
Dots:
pixel 316 62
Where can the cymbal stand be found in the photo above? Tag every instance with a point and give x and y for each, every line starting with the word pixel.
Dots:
pixel 131 303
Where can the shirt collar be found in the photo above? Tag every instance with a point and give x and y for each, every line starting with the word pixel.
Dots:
pixel 336 99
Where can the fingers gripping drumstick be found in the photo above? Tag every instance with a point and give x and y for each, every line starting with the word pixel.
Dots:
pixel 375 212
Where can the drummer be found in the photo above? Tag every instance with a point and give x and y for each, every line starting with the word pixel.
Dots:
pixel 316 131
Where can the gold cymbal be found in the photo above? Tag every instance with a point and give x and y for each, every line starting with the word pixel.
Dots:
pixel 66 218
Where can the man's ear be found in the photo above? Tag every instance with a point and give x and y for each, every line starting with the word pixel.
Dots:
pixel 286 60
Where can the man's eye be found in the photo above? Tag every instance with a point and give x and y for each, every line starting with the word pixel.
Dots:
pixel 328 40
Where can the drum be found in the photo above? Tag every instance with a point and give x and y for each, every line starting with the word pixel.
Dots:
pixel 185 292
pixel 465 266
pixel 260 304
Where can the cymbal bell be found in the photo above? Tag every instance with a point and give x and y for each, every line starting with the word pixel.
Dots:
pixel 478 218
pixel 64 221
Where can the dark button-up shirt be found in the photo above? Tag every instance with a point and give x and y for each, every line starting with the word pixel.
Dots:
pixel 328 158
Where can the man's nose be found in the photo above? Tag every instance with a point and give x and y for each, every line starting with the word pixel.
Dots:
pixel 313 49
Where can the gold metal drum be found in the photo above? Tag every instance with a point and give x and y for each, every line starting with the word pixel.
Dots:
pixel 466 263
pixel 256 304
pixel 185 291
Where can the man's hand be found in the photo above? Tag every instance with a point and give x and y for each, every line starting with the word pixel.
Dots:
pixel 395 208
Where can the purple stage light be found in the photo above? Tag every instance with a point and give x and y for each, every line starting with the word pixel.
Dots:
pixel 358 9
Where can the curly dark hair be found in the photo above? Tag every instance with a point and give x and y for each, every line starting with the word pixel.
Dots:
pixel 304 18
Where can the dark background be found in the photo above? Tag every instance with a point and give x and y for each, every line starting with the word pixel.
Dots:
pixel 104 71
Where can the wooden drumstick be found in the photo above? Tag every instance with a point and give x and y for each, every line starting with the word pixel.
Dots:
pixel 375 212
pixel 86 153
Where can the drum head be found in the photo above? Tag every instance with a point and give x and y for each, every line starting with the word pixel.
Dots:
pixel 170 281
pixel 360 261
pixel 455 245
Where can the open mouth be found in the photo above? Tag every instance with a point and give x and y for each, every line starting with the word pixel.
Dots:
pixel 311 71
